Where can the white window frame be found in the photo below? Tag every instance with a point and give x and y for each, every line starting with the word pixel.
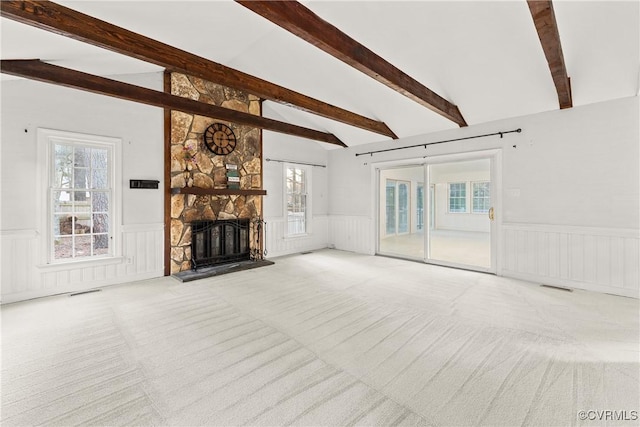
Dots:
pixel 466 197
pixel 307 217
pixel 47 138
pixel 473 210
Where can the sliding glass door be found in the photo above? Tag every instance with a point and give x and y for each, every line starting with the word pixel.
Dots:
pixel 439 212
pixel 402 212
pixel 461 231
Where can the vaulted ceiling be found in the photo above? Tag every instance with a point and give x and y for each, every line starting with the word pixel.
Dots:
pixel 484 57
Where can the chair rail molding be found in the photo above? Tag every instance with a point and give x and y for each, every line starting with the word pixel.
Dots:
pixel 23 277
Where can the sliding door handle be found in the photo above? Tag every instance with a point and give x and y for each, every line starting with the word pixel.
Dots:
pixel 491 214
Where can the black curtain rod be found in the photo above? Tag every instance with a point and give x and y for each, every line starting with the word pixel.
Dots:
pixel 295 163
pixel 441 142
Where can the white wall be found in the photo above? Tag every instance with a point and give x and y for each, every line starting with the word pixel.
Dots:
pixel 28 105
pixel 284 147
pixel 571 190
pixel 570 211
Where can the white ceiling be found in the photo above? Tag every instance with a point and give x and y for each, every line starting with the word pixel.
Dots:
pixel 485 57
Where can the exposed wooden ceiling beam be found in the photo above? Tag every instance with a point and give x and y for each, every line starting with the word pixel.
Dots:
pixel 544 19
pixel 297 19
pixel 41 71
pixel 70 23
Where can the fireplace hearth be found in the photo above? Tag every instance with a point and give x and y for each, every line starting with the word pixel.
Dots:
pixel 219 242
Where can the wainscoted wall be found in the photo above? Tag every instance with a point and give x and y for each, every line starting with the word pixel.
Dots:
pixel 599 259
pixel 21 278
pixel 18 251
pixel 576 169
pixel 28 106
pixel 277 244
pixel 352 233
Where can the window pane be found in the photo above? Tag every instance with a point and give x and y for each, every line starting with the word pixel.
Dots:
pixel 81 224
pixel 99 158
pixel 62 201
pixel 63 177
pixel 82 246
pixel 63 153
pixel 82 201
pixel 296 201
pixel 457 197
pixel 100 223
pixel 403 208
pixel 63 247
pixel 420 207
pixel 80 197
pixel 63 166
pixel 481 197
pixel 99 178
pixel 100 201
pixel 81 157
pixel 391 207
pixel 100 244
pixel 62 224
pixel 301 181
pixel 81 178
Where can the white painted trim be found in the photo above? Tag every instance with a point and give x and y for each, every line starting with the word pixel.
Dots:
pixel 493 155
pixel 573 229
pixel 85 263
pixel 22 296
pixel 22 277
pixel 20 234
pixel 45 139
pixel 572 284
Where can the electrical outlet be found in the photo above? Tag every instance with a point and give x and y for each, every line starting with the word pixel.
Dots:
pixel 128 260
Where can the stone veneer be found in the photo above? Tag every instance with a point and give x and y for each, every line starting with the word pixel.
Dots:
pixel 194 165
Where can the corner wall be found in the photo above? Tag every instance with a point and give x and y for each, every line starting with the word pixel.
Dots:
pixel 570 202
pixel 28 105
pixel 284 147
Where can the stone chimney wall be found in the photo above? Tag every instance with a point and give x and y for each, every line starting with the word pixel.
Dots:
pixel 194 165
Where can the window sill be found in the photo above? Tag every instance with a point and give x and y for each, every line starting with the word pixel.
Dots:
pixel 70 265
pixel 297 236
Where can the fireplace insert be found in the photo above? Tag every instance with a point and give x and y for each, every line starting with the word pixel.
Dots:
pixel 219 242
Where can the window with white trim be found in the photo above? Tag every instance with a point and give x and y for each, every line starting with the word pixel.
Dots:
pixel 458 197
pixel 297 207
pixel 80 196
pixel 481 194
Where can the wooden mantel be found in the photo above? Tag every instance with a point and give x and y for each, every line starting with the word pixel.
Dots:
pixel 218 191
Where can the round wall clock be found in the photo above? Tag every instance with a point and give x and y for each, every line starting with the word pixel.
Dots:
pixel 220 139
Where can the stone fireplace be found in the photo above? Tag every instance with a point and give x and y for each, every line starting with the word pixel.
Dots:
pixel 199 177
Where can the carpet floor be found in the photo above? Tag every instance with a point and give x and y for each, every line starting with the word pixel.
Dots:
pixel 327 338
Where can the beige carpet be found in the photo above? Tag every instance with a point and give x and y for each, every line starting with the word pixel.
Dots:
pixel 455 247
pixel 328 338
